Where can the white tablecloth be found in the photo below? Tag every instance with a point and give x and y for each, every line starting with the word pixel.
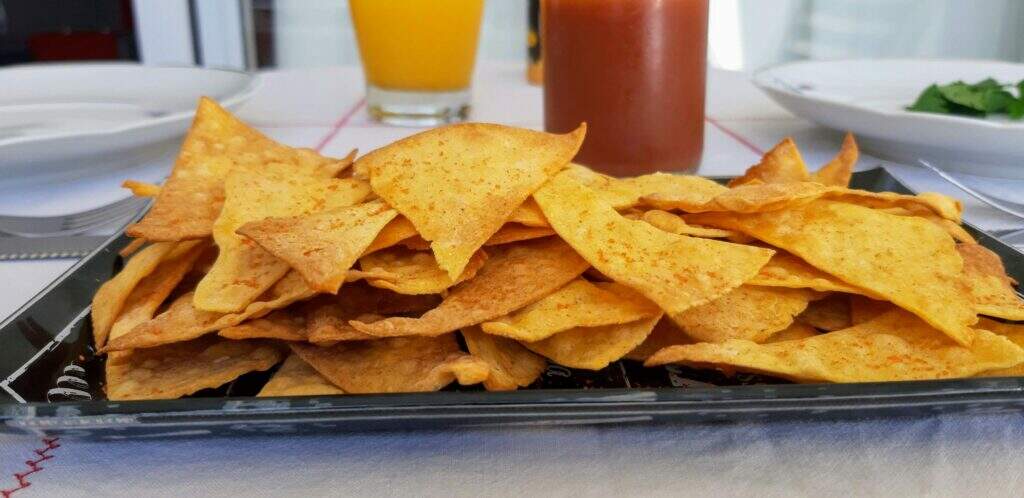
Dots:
pixel 323 108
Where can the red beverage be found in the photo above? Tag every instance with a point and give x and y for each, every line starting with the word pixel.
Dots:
pixel 634 70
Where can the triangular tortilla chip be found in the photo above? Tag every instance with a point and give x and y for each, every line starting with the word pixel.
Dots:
pixel 285 325
pixel 394 365
pixel 1011 331
pixel 675 271
pixel 830 313
pixel 396 231
pixel 914 264
pixel 514 276
pixel 747 312
pixel 151 291
pixel 787 270
pixel 673 223
pixel 183 322
pixel 863 309
pixel 578 304
pixel 416 272
pixel 191 199
pixel 458 184
pixel 141 189
pixel 839 170
pixel 781 164
pixel 327 317
pixel 322 246
pixel 665 334
pixel 109 300
pixel 991 290
pixel 514 232
pixel 894 346
pixel 623 193
pixel 243 269
pixel 529 214
pixel 181 369
pixel 593 348
pixel 511 365
pixel 297 378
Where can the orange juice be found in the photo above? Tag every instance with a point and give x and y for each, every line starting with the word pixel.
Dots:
pixel 425 45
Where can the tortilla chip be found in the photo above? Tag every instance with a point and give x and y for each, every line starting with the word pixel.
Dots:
pixel 297 378
pixel 838 171
pixel 109 299
pixel 511 365
pixel 183 322
pixel 514 232
pixel 152 290
pixel 396 231
pixel 578 304
pixel 665 334
pixel 623 193
pixel 416 272
pixel 514 276
pixel 794 332
pixel 673 223
pixel 782 164
pixel 243 269
pixel 327 317
pixel 748 312
pixel 863 309
pixel 991 290
pixel 915 264
pixel 529 214
pixel 831 313
pixel 1012 331
pixel 675 271
pixel 593 348
pixel 322 246
pixel 190 200
pixel 285 325
pixel 458 184
pixel 787 270
pixel 894 346
pixel 141 189
pixel 132 247
pixel 394 365
pixel 181 369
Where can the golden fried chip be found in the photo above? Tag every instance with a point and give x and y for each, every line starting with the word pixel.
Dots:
pixel 991 290
pixel 529 214
pixel 132 247
pixel 794 332
pixel 830 313
pixel 322 246
pixel 673 223
pixel 593 348
pixel 243 269
pixel 297 378
pixel 839 170
pixel 747 312
pixel 394 365
pixel 675 271
pixel 514 232
pixel 458 184
pixel 511 365
pixel 141 189
pixel 109 300
pixel 285 325
pixel 894 346
pixel 514 276
pixel 781 164
pixel 914 264
pixel 787 270
pixel 863 309
pixel 183 322
pixel 416 272
pixel 665 334
pixel 623 193
pixel 396 231
pixel 152 290
pixel 1013 332
pixel 190 200
pixel 578 304
pixel 181 369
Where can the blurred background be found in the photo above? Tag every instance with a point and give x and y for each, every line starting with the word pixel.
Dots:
pixel 744 35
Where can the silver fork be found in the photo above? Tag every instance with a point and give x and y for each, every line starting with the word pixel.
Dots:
pixel 1013 236
pixel 68 224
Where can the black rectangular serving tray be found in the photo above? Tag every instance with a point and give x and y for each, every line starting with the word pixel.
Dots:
pixel 51 383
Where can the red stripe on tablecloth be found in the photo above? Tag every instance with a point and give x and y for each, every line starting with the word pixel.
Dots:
pixel 340 123
pixel 735 136
pixel 42 455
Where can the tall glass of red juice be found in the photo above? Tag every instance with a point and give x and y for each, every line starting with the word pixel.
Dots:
pixel 634 70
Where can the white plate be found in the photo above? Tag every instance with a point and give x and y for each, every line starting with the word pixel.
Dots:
pixel 868 97
pixel 66 120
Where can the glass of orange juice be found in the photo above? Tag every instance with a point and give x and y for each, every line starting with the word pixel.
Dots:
pixel 418 58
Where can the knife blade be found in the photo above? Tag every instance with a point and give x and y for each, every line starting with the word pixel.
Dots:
pixel 59 247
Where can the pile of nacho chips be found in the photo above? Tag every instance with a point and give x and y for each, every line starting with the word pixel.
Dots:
pixel 479 254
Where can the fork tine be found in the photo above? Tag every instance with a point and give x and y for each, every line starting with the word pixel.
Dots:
pixel 113 212
pixel 103 210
